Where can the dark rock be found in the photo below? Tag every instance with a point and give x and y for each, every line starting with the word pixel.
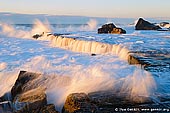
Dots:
pixel 78 103
pixel 5 103
pixel 5 107
pixel 22 82
pixel 111 28
pixel 59 34
pixel 36 36
pixel 107 28
pixel 145 25
pixel 93 54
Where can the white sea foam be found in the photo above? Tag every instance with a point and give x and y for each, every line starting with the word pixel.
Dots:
pixel 89 46
pixel 61 80
pixel 38 28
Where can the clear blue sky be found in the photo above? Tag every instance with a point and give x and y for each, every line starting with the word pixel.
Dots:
pixel 101 8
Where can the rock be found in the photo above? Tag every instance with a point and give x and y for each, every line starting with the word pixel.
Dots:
pixel 78 103
pixel 46 34
pixel 30 100
pixel 163 24
pixel 36 36
pixel 107 102
pixel 60 34
pixel 107 28
pixel 5 107
pixel 28 96
pixel 118 31
pixel 111 28
pixel 46 109
pixel 22 83
pixel 5 104
pixel 133 60
pixel 93 54
pixel 145 25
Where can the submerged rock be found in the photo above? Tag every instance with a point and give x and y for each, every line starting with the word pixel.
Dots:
pixel 145 25
pixel 111 28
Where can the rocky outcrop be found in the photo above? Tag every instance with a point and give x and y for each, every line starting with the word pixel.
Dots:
pixel 78 103
pixel 29 97
pixel 111 28
pixel 30 100
pixel 22 83
pixel 108 102
pixel 145 25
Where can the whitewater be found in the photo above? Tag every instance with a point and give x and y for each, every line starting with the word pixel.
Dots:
pixel 84 61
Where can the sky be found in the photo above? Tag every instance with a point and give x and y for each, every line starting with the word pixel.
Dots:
pixel 96 8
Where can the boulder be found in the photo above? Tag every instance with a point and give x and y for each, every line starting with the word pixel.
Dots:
pixel 50 108
pixel 22 83
pixel 111 28
pixel 78 103
pixel 109 102
pixel 145 25
pixel 30 100
pixel 28 96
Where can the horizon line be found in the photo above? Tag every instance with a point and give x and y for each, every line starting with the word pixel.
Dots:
pixel 45 14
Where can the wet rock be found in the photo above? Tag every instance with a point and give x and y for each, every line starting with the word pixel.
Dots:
pixel 5 103
pixel 110 102
pixel 133 60
pixel 60 34
pixel 111 28
pixel 5 107
pixel 28 96
pixel 93 54
pixel 145 25
pixel 118 31
pixel 36 36
pixel 22 83
pixel 163 24
pixel 46 109
pixel 78 103
pixel 30 100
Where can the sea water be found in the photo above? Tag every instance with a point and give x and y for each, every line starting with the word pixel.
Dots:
pixel 68 66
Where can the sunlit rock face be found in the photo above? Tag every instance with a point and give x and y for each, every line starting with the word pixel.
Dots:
pixel 145 25
pixel 111 28
pixel 108 102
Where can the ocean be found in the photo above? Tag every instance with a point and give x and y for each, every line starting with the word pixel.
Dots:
pixel 107 69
